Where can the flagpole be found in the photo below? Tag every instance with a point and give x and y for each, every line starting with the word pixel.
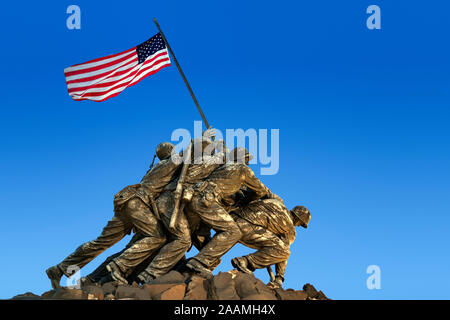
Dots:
pixel 182 75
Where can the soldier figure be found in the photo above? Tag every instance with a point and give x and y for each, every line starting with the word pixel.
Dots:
pixel 132 212
pixel 208 205
pixel 180 239
pixel 269 227
pixel 227 198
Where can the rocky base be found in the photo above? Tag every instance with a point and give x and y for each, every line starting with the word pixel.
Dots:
pixel 231 285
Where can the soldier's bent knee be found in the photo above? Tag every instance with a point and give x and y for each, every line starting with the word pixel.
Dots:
pixel 186 241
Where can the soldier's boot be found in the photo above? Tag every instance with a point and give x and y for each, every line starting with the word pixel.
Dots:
pixel 54 274
pixel 241 264
pixel 276 283
pixel 215 264
pixel 116 273
pixel 106 279
pixel 199 268
pixel 86 281
pixel 145 277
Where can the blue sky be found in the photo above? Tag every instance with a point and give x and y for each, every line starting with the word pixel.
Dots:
pixel 363 118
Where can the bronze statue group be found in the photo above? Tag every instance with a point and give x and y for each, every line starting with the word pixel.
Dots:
pixel 176 205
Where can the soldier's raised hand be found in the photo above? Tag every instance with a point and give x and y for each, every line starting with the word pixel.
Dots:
pixel 209 133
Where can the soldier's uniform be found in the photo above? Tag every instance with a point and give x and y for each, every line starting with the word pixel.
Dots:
pixel 131 213
pixel 208 205
pixel 179 240
pixel 151 185
pixel 101 273
pixel 267 226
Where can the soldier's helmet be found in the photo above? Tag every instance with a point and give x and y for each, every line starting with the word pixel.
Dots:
pixel 302 215
pixel 240 155
pixel 164 150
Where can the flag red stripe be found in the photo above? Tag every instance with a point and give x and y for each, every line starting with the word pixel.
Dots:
pixel 115 73
pixel 116 93
pixel 101 66
pixel 101 75
pixel 123 86
pixel 114 85
pixel 104 84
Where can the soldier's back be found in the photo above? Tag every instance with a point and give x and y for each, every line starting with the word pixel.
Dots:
pixel 270 214
pixel 227 170
pixel 159 176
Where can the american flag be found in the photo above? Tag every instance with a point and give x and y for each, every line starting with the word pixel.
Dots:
pixel 103 78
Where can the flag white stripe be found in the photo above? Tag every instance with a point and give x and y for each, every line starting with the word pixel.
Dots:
pixel 111 75
pixel 95 64
pixel 143 74
pixel 122 87
pixel 122 79
pixel 132 67
pixel 107 69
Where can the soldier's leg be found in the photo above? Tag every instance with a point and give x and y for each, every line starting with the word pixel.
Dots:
pixel 143 219
pixel 113 232
pixel 201 236
pixel 153 237
pixel 141 267
pixel 227 231
pixel 138 253
pixel 270 248
pixel 101 272
pixel 179 239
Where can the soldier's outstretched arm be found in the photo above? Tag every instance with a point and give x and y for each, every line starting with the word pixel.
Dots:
pixel 253 183
pixel 271 195
pixel 220 156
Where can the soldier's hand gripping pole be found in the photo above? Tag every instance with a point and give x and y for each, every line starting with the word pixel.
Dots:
pixel 179 189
